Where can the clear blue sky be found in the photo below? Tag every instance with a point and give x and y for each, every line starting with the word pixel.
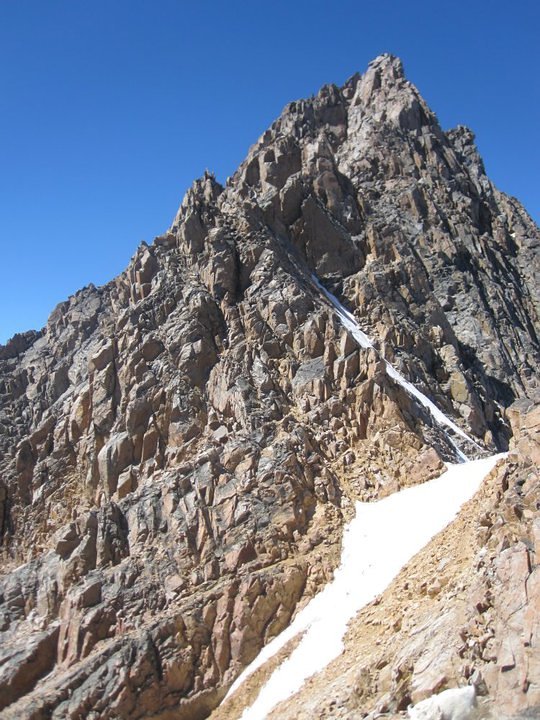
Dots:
pixel 110 109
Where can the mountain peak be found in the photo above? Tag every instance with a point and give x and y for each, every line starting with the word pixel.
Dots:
pixel 181 449
pixel 388 64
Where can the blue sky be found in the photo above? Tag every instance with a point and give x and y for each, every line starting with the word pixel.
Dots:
pixel 111 108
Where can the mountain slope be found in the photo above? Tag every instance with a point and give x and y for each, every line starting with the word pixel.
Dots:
pixel 464 610
pixel 181 447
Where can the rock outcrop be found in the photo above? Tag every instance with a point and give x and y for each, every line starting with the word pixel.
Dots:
pixel 179 448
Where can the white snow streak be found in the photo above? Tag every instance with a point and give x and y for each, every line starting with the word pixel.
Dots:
pixel 347 318
pixel 439 417
pixel 380 540
pixel 350 322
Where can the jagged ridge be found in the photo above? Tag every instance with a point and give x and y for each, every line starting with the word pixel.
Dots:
pixel 181 447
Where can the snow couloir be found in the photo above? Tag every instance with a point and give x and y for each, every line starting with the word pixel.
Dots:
pixel 351 324
pixel 381 539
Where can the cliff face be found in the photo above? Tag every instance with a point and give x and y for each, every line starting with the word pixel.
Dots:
pixel 180 448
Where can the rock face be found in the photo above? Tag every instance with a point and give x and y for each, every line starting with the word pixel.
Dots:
pixel 180 448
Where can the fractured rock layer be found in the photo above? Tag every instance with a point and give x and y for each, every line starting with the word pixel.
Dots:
pixel 180 448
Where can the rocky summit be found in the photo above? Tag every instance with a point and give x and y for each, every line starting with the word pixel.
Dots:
pixel 181 448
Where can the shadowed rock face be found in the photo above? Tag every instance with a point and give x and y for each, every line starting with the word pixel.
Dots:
pixel 179 448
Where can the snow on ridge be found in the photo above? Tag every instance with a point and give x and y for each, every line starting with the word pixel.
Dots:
pixel 350 322
pixel 377 543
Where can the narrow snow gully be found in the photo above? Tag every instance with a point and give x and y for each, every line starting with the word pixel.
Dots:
pixel 349 321
pixel 380 540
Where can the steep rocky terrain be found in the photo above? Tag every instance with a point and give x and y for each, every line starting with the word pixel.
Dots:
pixel 180 448
pixel 465 610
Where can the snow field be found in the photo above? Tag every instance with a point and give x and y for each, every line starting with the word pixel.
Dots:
pixel 380 540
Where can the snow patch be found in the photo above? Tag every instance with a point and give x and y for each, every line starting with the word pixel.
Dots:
pixel 452 704
pixel 380 540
